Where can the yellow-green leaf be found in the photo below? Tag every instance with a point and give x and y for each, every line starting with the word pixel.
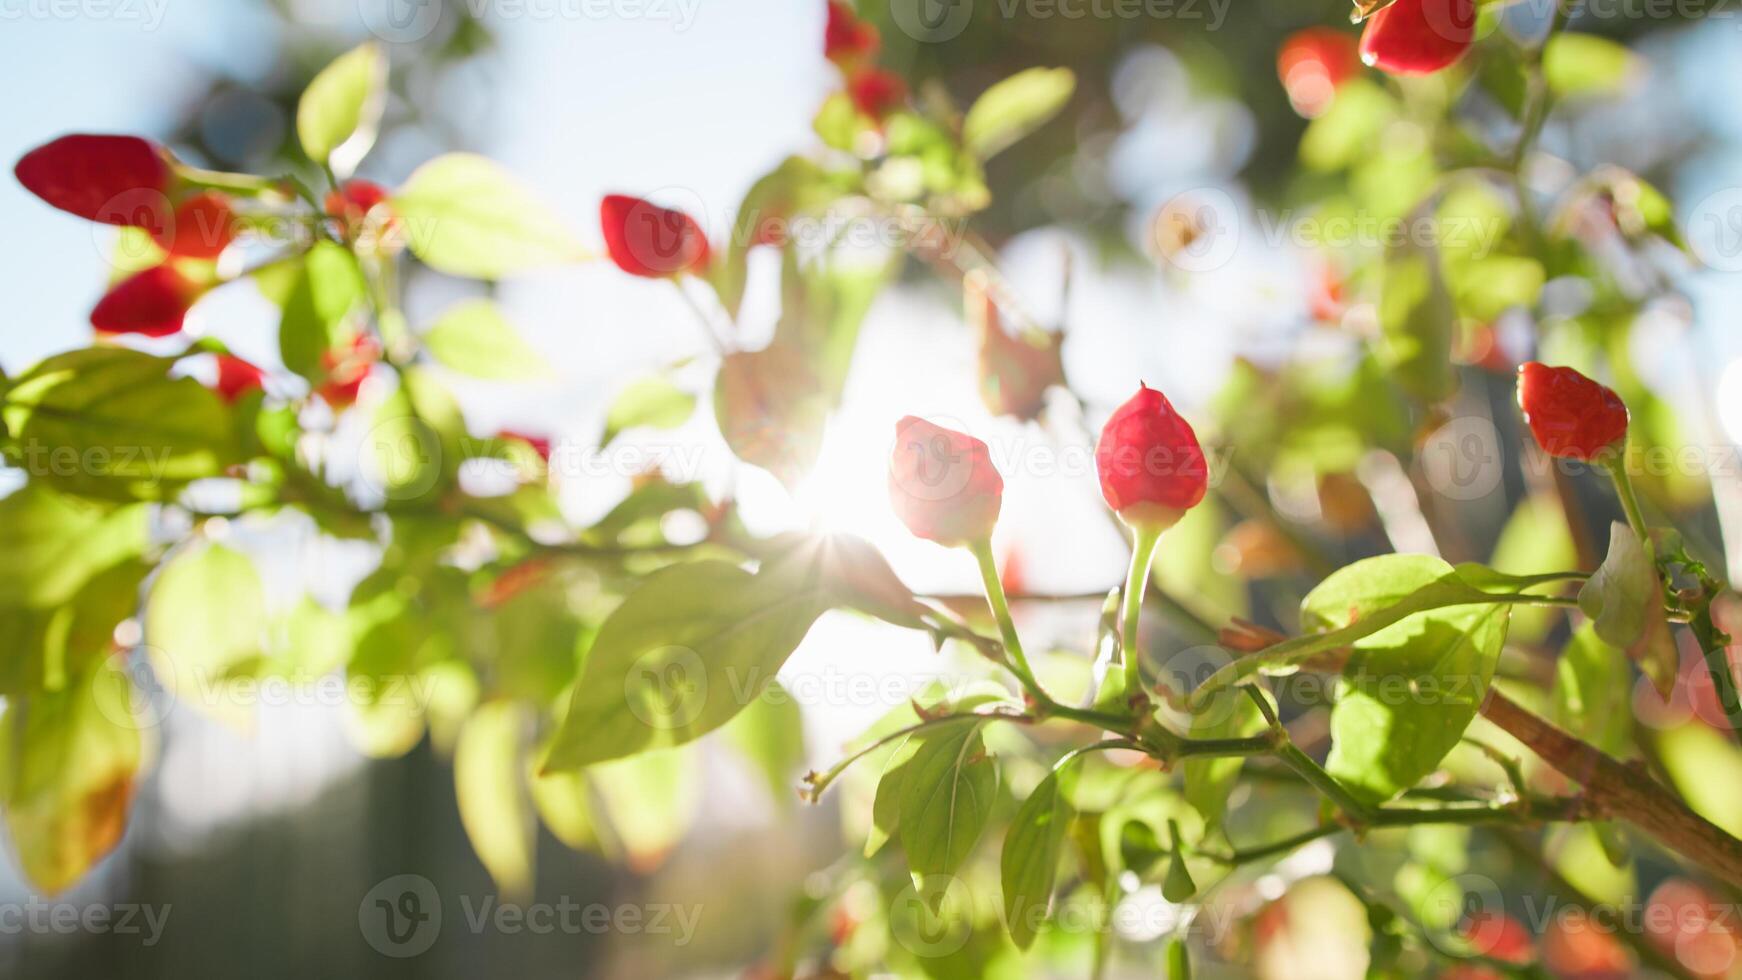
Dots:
pixel 1015 107
pixel 339 115
pixel 466 216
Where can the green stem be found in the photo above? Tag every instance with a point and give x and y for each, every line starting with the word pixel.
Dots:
pixel 1616 464
pixel 1143 546
pixel 1324 782
pixel 982 550
pixel 218 180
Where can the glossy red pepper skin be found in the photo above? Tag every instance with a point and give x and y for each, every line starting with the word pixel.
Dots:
pixel 877 92
pixel 942 483
pixel 236 378
pixel 1151 464
pixel 117 180
pixel 152 303
pixel 1312 63
pixel 848 39
pixel 647 240
pixel 1419 37
pixel 203 226
pixel 1571 416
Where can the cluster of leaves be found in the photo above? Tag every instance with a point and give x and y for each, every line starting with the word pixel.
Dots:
pixel 569 668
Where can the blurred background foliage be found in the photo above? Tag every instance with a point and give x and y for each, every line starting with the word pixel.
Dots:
pixel 1162 108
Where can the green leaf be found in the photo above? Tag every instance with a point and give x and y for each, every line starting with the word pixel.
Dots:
pixel 1411 688
pixel 1179 962
pixel 1178 887
pixel 1028 865
pixel 770 206
pixel 770 733
pixel 1485 288
pixel 327 286
pixel 687 650
pixel 340 111
pixel 1616 595
pixel 68 767
pixel 492 796
pixel 1228 713
pixel 43 647
pixel 653 402
pixel 1534 540
pixel 650 800
pixel 1445 593
pixel 839 124
pixel 474 338
pixel 1416 322
pixel 946 799
pixel 1593 692
pixel 111 422
pixel 565 803
pixel 1587 65
pixel 206 614
pixel 52 544
pixel 1706 767
pixel 1015 107
pixel 466 216
pixel 418 439
pixel 1347 131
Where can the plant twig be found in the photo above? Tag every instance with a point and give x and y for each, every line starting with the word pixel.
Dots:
pixel 1616 790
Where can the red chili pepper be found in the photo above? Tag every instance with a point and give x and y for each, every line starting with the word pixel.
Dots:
pixel 347 369
pixel 236 378
pixel 942 483
pixel 152 303
pixel 117 180
pixel 877 92
pixel 1571 416
pixel 203 226
pixel 848 39
pixel 354 199
pixel 1419 37
pixel 1312 63
pixel 1152 467
pixel 645 239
